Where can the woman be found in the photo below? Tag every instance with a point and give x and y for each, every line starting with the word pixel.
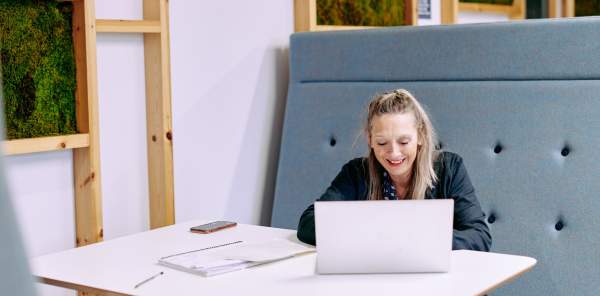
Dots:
pixel 403 163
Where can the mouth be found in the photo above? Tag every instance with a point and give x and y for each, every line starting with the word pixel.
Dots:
pixel 396 162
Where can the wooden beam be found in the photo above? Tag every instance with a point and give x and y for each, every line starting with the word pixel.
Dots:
pixel 127 26
pixel 449 12
pixel 485 7
pixel 305 16
pixel 158 116
pixel 552 9
pixel 411 16
pixel 44 144
pixel 568 8
pixel 519 10
pixel 86 161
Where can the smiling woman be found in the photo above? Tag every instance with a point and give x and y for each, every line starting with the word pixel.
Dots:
pixel 403 162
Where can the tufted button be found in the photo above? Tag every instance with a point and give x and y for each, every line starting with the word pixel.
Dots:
pixel 559 226
pixel 565 151
pixel 332 141
pixel 498 148
pixel 492 218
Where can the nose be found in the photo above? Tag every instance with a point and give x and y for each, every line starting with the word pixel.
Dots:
pixel 395 149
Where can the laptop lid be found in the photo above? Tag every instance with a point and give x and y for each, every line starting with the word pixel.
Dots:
pixel 387 236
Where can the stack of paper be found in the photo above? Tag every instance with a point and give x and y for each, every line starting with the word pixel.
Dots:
pixel 234 257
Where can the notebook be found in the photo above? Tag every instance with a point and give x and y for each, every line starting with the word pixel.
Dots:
pixel 214 260
pixel 387 236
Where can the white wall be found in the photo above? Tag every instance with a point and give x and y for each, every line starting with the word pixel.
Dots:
pixel 229 86
pixel 229 80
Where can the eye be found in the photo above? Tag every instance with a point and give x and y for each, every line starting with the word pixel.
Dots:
pixel 381 144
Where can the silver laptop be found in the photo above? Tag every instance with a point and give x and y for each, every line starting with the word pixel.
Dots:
pixel 387 236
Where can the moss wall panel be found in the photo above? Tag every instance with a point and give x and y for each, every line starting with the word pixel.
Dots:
pixel 360 12
pixel 38 67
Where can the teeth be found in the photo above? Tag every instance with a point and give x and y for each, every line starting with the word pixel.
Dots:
pixel 396 161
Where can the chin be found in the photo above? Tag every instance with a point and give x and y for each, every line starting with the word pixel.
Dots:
pixel 397 173
pixel 402 170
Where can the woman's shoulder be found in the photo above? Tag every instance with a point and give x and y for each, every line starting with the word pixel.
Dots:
pixel 358 164
pixel 356 168
pixel 449 157
pixel 447 161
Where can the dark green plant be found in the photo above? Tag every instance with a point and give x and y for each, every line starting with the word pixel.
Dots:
pixel 587 7
pixel 503 2
pixel 38 67
pixel 360 12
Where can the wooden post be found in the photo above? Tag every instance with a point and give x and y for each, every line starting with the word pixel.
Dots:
pixel 568 8
pixel 158 116
pixel 411 15
pixel 552 9
pixel 449 12
pixel 305 15
pixel 86 161
pixel 519 10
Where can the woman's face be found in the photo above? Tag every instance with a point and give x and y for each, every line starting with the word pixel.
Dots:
pixel 394 139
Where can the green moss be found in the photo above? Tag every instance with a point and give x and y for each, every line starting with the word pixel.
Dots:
pixel 587 7
pixel 502 2
pixel 360 12
pixel 38 67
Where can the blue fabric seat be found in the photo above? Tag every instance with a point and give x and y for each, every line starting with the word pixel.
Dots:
pixel 519 101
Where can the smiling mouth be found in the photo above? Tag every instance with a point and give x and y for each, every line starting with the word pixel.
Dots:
pixel 397 162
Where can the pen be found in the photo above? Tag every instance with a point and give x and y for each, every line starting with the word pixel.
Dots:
pixel 148 279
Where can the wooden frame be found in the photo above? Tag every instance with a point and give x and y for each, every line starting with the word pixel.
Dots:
pixel 567 8
pixel 305 17
pixel 43 144
pixel 86 160
pixel 86 145
pixel 451 8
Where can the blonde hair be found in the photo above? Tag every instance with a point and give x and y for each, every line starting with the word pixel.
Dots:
pixel 423 175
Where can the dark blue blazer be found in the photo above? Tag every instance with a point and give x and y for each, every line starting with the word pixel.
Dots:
pixel 470 230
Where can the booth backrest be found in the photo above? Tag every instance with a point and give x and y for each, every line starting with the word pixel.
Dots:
pixel 519 101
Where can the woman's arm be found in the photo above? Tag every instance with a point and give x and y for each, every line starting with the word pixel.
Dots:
pixel 470 230
pixel 343 187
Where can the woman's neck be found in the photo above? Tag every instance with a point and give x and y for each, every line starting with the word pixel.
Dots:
pixel 401 183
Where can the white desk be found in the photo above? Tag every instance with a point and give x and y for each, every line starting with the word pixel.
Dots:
pixel 117 265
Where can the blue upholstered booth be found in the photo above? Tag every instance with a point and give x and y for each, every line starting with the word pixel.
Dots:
pixel 519 101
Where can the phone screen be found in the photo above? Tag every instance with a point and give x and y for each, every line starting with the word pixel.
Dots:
pixel 212 226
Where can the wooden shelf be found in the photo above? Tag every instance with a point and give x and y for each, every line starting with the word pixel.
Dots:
pixel 127 26
pixel 43 144
pixel 484 7
pixel 516 10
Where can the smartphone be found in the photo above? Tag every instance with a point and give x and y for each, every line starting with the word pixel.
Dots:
pixel 212 226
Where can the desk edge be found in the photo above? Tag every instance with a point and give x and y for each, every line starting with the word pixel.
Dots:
pixel 508 280
pixel 77 287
